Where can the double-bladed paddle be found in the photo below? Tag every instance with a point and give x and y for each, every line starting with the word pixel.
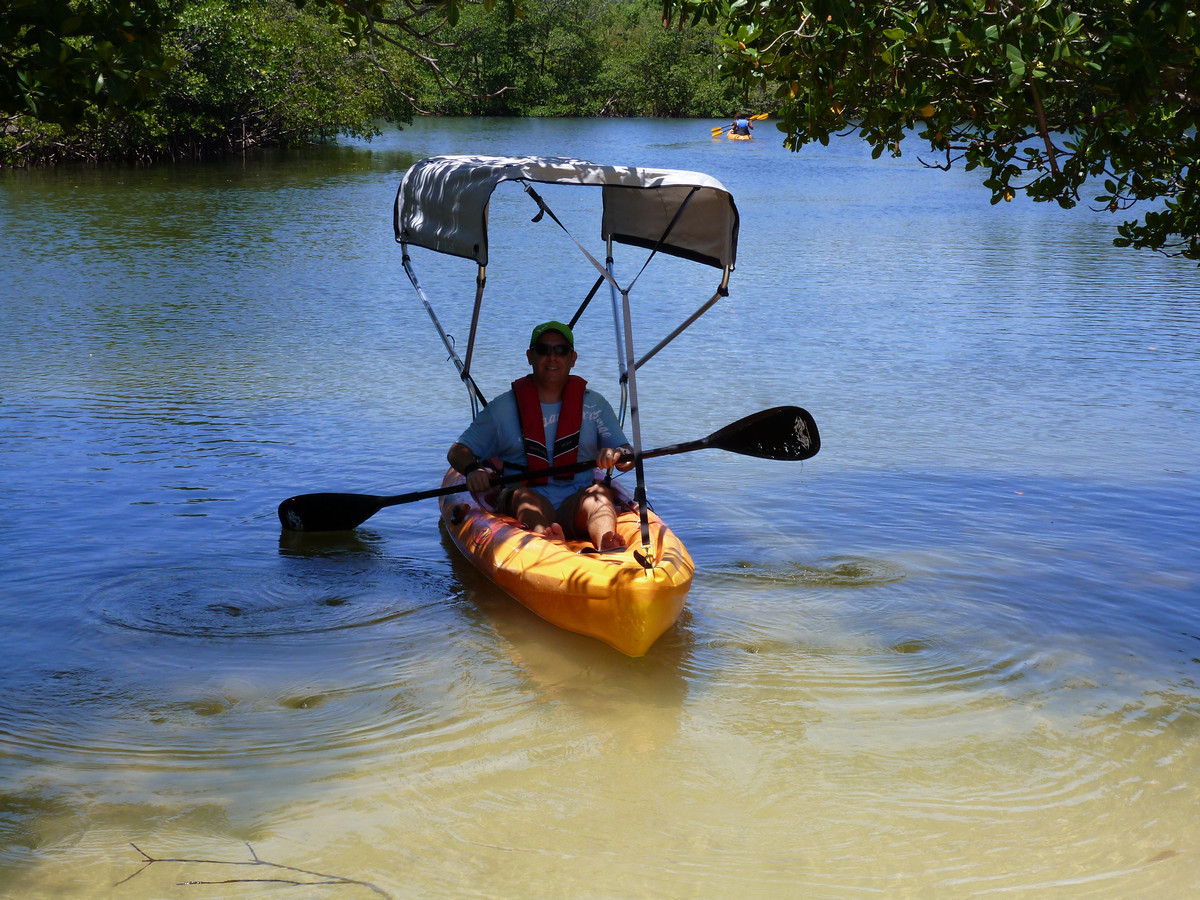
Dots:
pixel 785 432
pixel 716 131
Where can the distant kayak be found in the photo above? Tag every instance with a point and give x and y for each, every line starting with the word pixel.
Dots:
pixel 732 127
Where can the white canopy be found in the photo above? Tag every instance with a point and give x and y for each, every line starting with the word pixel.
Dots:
pixel 443 201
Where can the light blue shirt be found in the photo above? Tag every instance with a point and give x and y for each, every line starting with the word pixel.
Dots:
pixel 496 432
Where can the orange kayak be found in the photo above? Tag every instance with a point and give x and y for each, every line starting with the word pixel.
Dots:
pixel 610 596
pixel 739 137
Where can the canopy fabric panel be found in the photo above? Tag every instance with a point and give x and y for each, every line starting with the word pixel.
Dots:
pixel 442 205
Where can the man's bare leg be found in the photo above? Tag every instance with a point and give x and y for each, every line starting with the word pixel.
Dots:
pixel 592 513
pixel 534 512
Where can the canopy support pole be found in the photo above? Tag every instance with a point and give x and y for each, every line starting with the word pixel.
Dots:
pixel 477 399
pixel 543 209
pixel 625 344
pixel 619 333
pixel 465 371
pixel 635 427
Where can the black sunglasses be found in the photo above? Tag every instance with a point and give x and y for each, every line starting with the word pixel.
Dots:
pixel 551 349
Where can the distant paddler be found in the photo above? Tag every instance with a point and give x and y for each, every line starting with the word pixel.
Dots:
pixel 741 126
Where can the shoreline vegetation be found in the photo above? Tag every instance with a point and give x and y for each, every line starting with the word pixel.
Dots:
pixel 251 74
pixel 1086 103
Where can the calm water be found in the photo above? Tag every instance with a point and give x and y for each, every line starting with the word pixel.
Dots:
pixel 954 655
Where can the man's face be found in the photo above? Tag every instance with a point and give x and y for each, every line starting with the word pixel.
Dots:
pixel 551 358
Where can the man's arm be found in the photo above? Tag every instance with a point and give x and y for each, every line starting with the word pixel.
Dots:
pixel 463 459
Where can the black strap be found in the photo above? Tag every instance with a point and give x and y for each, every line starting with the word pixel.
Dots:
pixel 586 301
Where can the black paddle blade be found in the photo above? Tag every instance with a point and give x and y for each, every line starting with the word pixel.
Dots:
pixel 328 512
pixel 785 432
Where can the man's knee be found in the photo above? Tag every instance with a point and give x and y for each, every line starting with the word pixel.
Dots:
pixel 596 500
pixel 527 499
pixel 596 495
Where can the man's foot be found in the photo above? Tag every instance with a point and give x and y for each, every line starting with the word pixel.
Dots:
pixel 610 541
pixel 553 532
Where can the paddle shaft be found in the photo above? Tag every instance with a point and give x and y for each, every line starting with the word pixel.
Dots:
pixel 496 482
pixel 785 432
pixel 500 481
pixel 341 512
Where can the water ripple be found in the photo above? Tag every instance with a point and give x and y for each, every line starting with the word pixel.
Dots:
pixel 231 602
pixel 834 571
pixel 310 668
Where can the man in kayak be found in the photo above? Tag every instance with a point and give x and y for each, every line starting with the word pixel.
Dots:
pixel 522 429
pixel 742 124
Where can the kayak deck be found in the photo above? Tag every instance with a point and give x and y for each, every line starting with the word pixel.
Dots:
pixel 610 596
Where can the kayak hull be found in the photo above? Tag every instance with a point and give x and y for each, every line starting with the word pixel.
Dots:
pixel 610 596
pixel 739 137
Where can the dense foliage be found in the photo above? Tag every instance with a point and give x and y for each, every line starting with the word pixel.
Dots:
pixel 583 58
pixel 1062 100
pixel 233 74
pixel 59 59
pixel 248 74
pixel 547 57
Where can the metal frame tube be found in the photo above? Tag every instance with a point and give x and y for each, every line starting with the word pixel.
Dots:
pixel 639 493
pixel 476 396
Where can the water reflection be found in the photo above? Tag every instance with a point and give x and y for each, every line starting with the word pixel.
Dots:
pixel 629 705
pixel 318 544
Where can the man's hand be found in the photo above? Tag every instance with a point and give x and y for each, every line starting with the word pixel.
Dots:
pixel 620 458
pixel 462 459
pixel 479 480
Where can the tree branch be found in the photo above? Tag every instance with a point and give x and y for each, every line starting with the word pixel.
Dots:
pixel 1051 150
pixel 254 860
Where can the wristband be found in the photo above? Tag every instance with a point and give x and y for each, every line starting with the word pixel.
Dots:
pixel 472 466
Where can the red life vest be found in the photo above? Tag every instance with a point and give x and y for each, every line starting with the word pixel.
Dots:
pixel 566 439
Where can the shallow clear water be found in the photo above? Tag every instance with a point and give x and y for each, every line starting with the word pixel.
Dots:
pixel 954 655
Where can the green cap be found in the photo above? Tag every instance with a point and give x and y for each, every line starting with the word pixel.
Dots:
pixel 562 329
